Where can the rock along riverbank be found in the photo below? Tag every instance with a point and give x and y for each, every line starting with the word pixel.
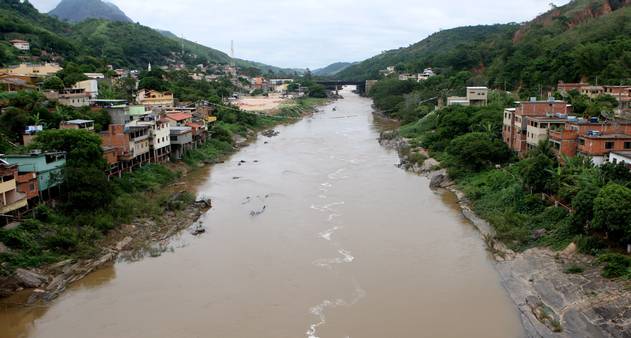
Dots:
pixel 551 303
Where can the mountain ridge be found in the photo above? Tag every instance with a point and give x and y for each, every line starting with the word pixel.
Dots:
pixel 583 40
pixel 81 10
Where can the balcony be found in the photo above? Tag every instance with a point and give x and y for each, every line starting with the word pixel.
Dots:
pixel 7 186
pixel 14 201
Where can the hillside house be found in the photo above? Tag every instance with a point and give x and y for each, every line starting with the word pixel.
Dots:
pixel 155 99
pixel 516 120
pixel 565 88
pixel 593 91
pixel 592 138
pixel 11 200
pixel 33 70
pixel 74 98
pixel 426 74
pixel 47 167
pixel 124 114
pixel 476 96
pixel 128 144
pixel 21 45
pixel 178 119
pixel 30 133
pixel 91 87
pixel 159 137
pixel 77 124
pixel 181 141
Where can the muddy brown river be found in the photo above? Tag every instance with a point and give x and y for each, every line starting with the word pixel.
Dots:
pixel 316 234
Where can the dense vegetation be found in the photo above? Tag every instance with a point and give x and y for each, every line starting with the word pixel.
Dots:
pixel 468 143
pixel 561 46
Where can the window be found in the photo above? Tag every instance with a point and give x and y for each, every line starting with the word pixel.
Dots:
pixel 609 145
pixel 627 145
pixel 31 187
pixel 581 141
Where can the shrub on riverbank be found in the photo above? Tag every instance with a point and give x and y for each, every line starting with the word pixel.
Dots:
pixel 466 141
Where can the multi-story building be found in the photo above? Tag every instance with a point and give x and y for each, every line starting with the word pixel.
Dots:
pixel 593 91
pixel 178 119
pixel 592 138
pixel 159 137
pixel 77 124
pixel 181 141
pixel 155 99
pixel 476 96
pixel 516 121
pixel 11 200
pixel 21 45
pixel 539 129
pixel 47 167
pixel 32 70
pixel 565 88
pixel 90 86
pixel 129 144
pixel 74 98
pixel 124 114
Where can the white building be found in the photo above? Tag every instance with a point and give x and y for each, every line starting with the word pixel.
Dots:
pixel 21 45
pixel 426 74
pixel 621 157
pixel 95 76
pixel 90 87
pixel 159 137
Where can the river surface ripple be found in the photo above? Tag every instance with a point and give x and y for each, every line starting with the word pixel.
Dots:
pixel 317 234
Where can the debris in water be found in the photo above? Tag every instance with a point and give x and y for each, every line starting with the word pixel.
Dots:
pixel 254 213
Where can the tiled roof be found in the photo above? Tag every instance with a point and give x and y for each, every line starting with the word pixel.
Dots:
pixel 179 116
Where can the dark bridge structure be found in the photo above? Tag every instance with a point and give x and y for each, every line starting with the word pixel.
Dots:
pixel 337 85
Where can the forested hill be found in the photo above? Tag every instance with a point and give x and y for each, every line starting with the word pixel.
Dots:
pixel 332 69
pixel 583 40
pixel 81 10
pixel 121 44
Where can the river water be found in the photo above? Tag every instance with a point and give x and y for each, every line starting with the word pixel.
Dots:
pixel 316 234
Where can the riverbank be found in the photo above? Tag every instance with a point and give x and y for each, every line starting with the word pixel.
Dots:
pixel 179 210
pixel 558 294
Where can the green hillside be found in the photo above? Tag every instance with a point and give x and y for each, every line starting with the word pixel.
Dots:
pixel 332 69
pixel 458 48
pixel 122 44
pixel 583 40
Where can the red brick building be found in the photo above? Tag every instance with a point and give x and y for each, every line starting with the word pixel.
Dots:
pixel 516 120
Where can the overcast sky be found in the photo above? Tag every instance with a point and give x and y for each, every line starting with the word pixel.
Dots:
pixel 315 33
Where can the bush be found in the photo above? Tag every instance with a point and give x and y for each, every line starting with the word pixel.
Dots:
pixel 616 265
pixel 574 269
pixel 612 211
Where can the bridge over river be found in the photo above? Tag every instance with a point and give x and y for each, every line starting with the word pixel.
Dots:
pixel 338 84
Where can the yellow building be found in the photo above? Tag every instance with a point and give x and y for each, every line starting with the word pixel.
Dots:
pixel 31 69
pixel 154 98
pixel 10 198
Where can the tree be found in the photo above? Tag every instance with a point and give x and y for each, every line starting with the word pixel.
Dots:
pixel 612 211
pixel 85 183
pixel 53 83
pixel 82 147
pixel 538 169
pixel 476 151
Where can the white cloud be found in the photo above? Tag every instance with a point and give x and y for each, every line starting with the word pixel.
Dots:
pixel 314 33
